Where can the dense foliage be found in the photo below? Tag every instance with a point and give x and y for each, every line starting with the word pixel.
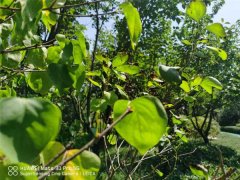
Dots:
pixel 127 98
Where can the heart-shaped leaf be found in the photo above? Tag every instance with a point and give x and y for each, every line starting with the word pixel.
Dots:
pixel 196 10
pixel 145 125
pixel 40 82
pixel 26 127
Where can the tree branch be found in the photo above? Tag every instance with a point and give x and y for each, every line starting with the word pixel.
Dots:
pixel 86 146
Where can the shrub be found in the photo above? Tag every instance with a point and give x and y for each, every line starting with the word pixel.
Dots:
pixel 229 116
pixel 231 129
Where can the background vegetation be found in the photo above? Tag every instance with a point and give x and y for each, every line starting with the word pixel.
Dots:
pixel 144 100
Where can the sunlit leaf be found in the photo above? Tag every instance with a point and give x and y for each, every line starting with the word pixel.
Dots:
pixel 196 10
pixel 209 83
pixel 185 86
pixel 134 22
pixel 221 53
pixel 129 69
pixel 217 29
pixel 199 171
pixel 143 127
pixel 95 83
pixel 186 42
pixel 61 40
pixel 50 151
pixel 119 60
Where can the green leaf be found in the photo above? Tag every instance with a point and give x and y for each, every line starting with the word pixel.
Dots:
pixel 54 54
pixel 181 135
pixel 95 83
pixel 197 81
pixel 119 60
pixel 19 171
pixel 50 151
pixel 112 139
pixel 159 173
pixel 134 22
pixel 185 86
pixel 217 29
pixel 79 48
pixel 209 83
pixel 3 12
pixel 49 18
pixel 221 53
pixel 110 97
pixel 36 57
pixel 189 98
pixel 129 69
pixel 67 54
pixel 78 75
pixel 98 105
pixel 61 40
pixel 121 91
pixel 30 9
pixel 170 74
pixel 13 59
pixel 196 10
pixel 143 127
pixel 186 42
pixel 26 127
pixel 60 76
pixel 199 171
pixel 7 92
pixel 84 166
pixel 40 82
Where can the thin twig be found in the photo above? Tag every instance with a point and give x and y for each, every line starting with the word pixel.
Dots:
pixel 86 146
pixel 85 15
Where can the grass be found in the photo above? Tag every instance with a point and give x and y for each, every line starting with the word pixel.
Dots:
pixel 229 140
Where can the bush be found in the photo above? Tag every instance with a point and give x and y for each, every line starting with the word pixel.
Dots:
pixel 229 116
pixel 231 129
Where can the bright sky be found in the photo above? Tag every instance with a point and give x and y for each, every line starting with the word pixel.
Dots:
pixel 230 11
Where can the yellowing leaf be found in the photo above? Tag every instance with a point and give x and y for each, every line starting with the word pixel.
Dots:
pixel 84 166
pixel 196 10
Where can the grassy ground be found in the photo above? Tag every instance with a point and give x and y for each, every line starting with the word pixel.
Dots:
pixel 229 140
